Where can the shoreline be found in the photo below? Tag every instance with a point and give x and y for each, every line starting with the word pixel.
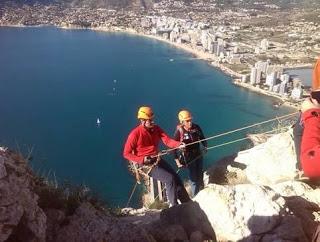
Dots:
pixel 208 58
pixel 198 54
pixel 285 102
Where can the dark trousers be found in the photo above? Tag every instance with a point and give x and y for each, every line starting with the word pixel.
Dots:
pixel 196 175
pixel 174 186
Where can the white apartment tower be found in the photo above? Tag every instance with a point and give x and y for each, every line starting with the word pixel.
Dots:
pixel 253 75
pixel 271 79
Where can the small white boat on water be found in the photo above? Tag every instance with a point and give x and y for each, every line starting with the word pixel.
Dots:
pixel 171 60
pixel 98 121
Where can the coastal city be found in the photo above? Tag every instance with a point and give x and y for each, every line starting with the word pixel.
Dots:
pixel 255 45
pixel 160 120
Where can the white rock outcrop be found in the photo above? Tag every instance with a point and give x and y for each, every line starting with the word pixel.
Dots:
pixel 259 198
pixel 249 212
pixel 271 162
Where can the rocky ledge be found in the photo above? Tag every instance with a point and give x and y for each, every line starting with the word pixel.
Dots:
pixel 256 195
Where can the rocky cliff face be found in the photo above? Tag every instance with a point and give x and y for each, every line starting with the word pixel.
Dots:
pixel 20 215
pixel 26 215
pixel 257 195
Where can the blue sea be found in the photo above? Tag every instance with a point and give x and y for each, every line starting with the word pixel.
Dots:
pixel 55 84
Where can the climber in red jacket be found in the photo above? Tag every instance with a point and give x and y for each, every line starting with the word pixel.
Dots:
pixel 310 144
pixel 141 148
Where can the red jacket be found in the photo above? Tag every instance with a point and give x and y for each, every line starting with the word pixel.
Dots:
pixel 142 142
pixel 310 143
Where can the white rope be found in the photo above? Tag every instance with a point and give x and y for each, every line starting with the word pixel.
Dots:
pixel 238 140
pixel 233 131
pixel 132 192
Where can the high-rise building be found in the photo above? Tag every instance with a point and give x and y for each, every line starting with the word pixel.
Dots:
pixel 211 47
pixel 253 75
pixel 262 65
pixel 258 77
pixel 285 78
pixel 215 48
pixel 204 39
pixel 276 88
pixel 283 88
pixel 220 50
pixel 271 79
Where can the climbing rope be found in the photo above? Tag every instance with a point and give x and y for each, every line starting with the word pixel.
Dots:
pixel 132 192
pixel 165 152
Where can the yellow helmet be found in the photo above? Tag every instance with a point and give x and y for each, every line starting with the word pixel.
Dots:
pixel 145 113
pixel 184 115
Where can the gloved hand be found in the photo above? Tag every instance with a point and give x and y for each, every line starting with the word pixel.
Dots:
pixel 182 145
pixel 148 160
pixel 179 164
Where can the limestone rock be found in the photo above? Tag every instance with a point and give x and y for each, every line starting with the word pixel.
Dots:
pixel 297 188
pixel 303 201
pixel 88 224
pixel 271 162
pixel 230 208
pixel 21 217
pixel 192 218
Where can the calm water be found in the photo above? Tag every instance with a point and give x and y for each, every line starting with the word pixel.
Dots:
pixel 304 74
pixel 54 84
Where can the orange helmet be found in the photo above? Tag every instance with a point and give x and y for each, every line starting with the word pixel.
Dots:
pixel 184 115
pixel 316 76
pixel 145 113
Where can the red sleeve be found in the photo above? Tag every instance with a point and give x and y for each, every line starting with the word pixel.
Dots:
pixel 130 149
pixel 310 143
pixel 171 143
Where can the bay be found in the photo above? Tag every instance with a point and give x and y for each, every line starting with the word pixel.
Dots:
pixel 55 83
